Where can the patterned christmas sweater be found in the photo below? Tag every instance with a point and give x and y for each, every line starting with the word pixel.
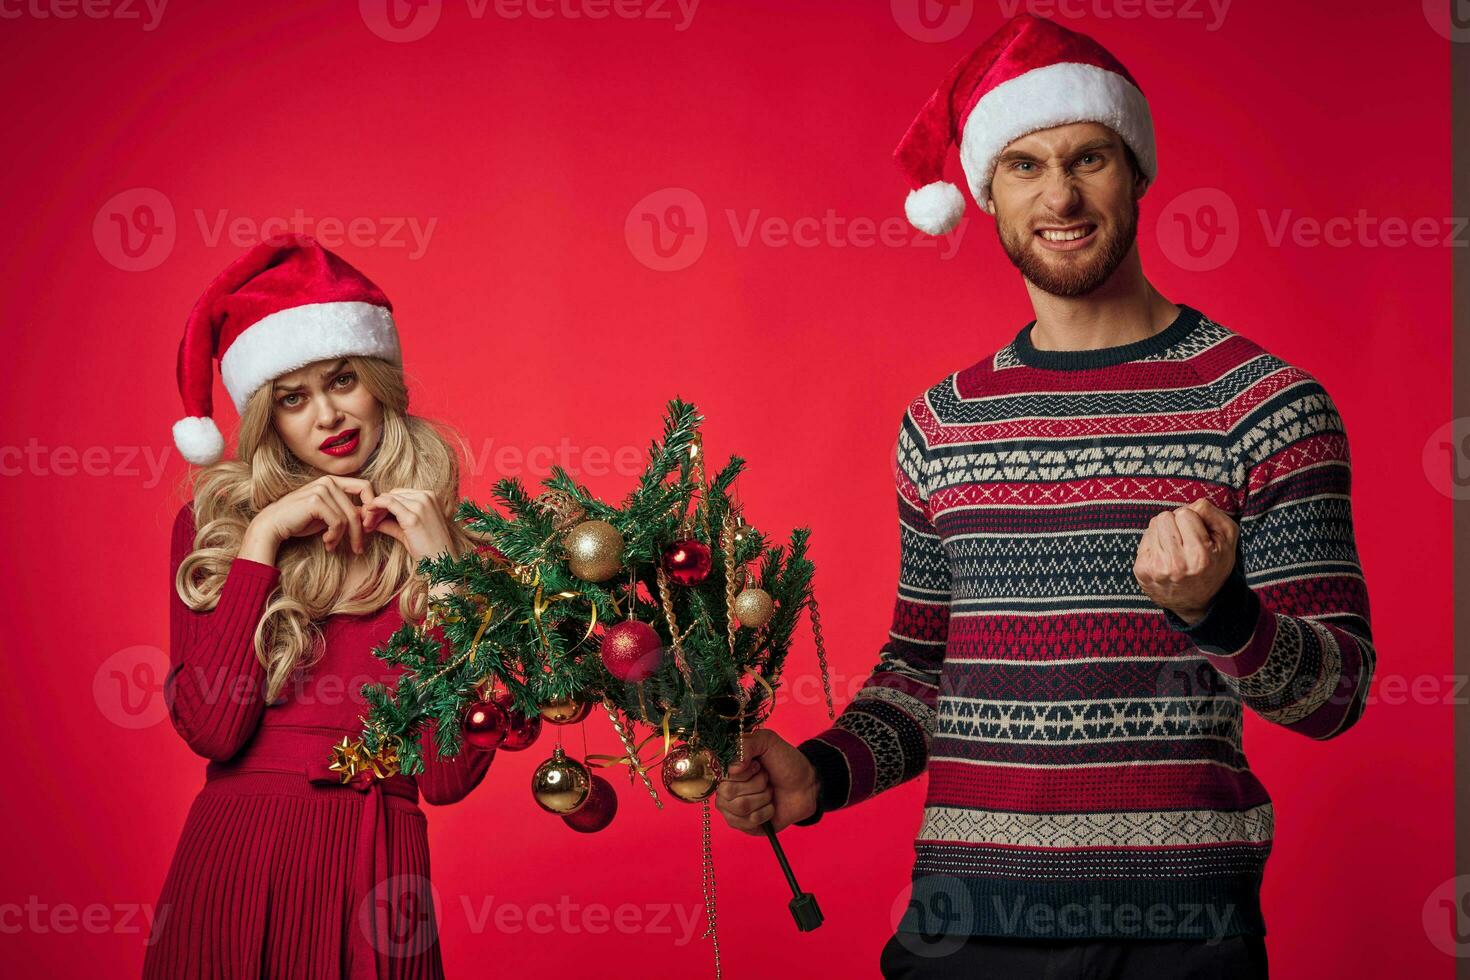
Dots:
pixel 1083 745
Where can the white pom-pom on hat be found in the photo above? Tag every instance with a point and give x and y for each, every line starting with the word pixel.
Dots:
pixel 199 440
pixel 935 208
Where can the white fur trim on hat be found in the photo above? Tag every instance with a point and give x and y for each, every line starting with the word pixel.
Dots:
pixel 1053 96
pixel 199 439
pixel 293 338
pixel 935 208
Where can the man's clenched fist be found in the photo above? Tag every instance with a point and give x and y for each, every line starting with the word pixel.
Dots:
pixel 775 783
pixel 1185 556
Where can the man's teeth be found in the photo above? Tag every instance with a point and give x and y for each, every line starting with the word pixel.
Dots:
pixel 1065 236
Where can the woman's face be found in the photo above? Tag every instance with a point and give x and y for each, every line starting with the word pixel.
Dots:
pixel 327 417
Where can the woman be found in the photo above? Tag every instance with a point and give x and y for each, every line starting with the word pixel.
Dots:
pixel 294 560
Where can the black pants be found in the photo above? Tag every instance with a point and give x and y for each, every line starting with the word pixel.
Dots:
pixel 908 957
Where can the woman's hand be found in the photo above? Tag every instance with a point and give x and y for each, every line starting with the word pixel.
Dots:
pixel 411 517
pixel 323 506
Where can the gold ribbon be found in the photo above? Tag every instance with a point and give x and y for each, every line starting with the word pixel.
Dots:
pixel 770 692
pixel 542 603
pixel 484 624
pixel 530 576
pixel 634 759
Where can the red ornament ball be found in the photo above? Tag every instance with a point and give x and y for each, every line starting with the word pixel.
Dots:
pixel 484 725
pixel 687 561
pixel 521 731
pixel 632 651
pixel 598 811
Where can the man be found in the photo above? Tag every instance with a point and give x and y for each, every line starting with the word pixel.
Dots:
pixel 1116 532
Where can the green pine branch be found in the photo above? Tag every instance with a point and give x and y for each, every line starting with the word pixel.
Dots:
pixel 546 655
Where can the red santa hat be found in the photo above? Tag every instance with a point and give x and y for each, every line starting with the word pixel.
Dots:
pixel 282 305
pixel 1031 74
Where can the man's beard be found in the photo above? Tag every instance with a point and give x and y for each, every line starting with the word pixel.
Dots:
pixel 1074 276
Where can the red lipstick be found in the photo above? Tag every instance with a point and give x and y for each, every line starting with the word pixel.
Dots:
pixel 342 444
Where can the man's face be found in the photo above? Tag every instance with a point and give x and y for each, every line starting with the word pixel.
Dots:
pixel 1066 206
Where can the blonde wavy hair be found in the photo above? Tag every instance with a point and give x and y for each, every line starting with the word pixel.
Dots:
pixel 412 452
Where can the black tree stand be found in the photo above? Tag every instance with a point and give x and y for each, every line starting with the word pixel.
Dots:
pixel 803 905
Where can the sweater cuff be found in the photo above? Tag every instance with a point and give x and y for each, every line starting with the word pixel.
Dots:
pixel 247 585
pixel 833 780
pixel 249 582
pixel 252 569
pixel 817 813
pixel 1230 621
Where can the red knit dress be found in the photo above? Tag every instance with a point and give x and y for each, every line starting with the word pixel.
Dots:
pixel 281 870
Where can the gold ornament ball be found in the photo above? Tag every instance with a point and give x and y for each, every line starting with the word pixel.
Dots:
pixel 754 607
pixel 561 785
pixel 594 551
pixel 691 774
pixel 565 711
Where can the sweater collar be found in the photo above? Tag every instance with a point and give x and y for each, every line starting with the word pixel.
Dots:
pixel 1071 360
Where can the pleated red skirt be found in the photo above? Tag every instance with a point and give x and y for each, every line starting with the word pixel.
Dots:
pixel 263 884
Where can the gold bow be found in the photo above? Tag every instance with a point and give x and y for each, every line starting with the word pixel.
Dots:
pixel 350 758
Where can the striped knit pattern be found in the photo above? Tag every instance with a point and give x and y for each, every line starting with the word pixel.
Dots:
pixel 1083 745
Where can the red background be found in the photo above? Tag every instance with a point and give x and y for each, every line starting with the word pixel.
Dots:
pixel 533 314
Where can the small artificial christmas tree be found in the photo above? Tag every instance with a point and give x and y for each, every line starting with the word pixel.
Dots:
pixel 668 614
